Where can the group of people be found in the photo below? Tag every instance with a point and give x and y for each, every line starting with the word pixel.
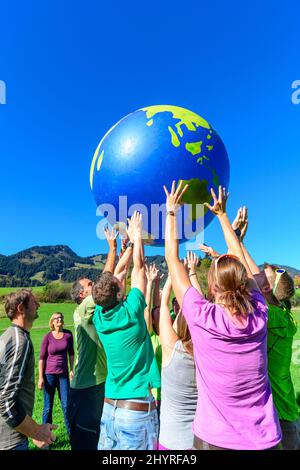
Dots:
pixel 203 371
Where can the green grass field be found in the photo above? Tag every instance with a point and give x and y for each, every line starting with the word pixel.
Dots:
pixel 37 333
pixel 8 290
pixel 41 328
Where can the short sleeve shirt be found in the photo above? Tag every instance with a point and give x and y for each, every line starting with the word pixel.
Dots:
pixel 132 367
pixel 235 406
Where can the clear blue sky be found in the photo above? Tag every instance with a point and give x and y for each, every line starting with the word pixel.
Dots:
pixel 72 69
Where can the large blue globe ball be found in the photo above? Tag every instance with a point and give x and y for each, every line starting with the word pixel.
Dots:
pixel 149 148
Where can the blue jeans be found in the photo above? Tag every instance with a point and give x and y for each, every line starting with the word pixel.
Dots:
pixel 23 445
pixel 62 384
pixel 123 429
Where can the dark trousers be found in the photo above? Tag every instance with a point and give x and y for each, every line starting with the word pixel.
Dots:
pixel 290 434
pixel 84 413
pixel 51 383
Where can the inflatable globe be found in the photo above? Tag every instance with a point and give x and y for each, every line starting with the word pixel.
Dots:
pixel 149 148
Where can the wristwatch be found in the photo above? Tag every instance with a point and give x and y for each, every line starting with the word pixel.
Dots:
pixel 238 233
pixel 129 245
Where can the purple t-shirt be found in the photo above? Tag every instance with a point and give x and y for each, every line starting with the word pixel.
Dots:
pixel 55 352
pixel 235 407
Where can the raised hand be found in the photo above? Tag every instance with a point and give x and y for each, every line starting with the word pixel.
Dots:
pixel 152 272
pixel 219 204
pixel 135 224
pixel 191 261
pixel 111 237
pixel 236 224
pixel 208 250
pixel 173 200
pixel 241 221
pixel 244 223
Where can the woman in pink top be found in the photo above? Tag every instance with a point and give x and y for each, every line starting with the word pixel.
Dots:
pixel 235 407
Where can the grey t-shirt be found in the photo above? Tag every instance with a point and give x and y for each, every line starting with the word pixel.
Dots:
pixel 179 397
pixel 16 383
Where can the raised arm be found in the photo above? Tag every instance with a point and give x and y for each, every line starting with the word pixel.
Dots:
pixel 138 278
pixel 191 262
pixel 180 279
pixel 111 238
pixel 156 290
pixel 168 336
pixel 122 270
pixel 240 225
pixel 232 241
pixel 124 260
pixel 151 275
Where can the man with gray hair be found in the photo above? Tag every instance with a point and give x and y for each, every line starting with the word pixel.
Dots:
pixel 17 377
pixel 87 386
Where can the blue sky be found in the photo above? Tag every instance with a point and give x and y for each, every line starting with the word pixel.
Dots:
pixel 73 69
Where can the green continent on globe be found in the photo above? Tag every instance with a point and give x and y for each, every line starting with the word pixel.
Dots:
pixel 197 193
pixel 186 118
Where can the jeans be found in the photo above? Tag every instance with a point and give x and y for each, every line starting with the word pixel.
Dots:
pixel 23 445
pixel 62 384
pixel 123 429
pixel 84 412
pixel 290 434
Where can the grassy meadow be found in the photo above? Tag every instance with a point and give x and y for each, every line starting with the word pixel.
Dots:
pixel 41 328
pixel 37 333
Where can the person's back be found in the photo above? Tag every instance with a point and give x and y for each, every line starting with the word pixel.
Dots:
pixel 129 419
pixel 235 408
pixel 178 400
pixel 130 356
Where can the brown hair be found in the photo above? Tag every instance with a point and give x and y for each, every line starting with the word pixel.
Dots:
pixel 184 334
pixel 20 297
pixel 285 288
pixel 228 277
pixel 105 291
pixel 51 321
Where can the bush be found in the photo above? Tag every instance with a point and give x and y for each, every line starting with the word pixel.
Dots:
pixel 55 292
pixel 296 299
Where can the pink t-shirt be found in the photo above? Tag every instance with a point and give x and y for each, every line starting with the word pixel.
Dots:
pixel 235 407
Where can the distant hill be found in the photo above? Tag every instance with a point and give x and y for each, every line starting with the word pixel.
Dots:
pixel 39 265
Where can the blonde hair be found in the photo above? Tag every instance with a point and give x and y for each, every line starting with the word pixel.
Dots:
pixel 184 334
pixel 51 321
pixel 228 277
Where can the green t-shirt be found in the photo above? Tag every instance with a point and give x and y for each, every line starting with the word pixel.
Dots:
pixel 281 330
pixel 155 339
pixel 90 361
pixel 132 367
